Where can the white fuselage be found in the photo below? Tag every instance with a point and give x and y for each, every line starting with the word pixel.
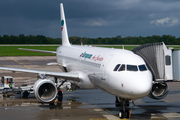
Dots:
pixel 97 66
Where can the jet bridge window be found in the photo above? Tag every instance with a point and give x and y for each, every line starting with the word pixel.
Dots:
pixel 142 68
pixel 132 68
pixel 122 68
pixel 168 60
pixel 116 68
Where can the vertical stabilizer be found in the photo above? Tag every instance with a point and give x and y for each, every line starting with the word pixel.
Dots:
pixel 65 39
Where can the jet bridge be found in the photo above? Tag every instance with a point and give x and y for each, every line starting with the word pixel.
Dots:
pixel 162 62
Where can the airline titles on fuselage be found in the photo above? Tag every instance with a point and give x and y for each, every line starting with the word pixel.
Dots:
pixel 90 56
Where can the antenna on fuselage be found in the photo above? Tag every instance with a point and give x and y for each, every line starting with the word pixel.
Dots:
pixel 81 42
pixel 123 47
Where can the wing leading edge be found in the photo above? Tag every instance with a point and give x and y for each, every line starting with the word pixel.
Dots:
pixel 69 76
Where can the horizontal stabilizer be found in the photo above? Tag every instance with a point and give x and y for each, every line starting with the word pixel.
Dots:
pixel 42 51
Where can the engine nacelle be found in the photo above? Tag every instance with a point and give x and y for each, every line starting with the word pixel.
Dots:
pixel 45 90
pixel 159 91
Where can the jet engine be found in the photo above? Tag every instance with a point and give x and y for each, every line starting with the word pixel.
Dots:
pixel 159 91
pixel 45 90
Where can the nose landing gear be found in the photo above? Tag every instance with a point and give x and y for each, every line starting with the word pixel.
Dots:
pixel 124 113
pixel 124 103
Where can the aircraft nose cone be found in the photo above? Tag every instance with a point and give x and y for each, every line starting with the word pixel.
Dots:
pixel 143 87
pixel 142 90
pixel 134 85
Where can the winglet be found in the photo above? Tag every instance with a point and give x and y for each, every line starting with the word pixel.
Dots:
pixel 65 39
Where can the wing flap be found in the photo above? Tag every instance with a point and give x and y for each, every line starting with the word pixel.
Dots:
pixel 64 75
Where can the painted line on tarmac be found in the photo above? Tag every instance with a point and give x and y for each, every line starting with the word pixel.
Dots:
pixel 106 115
pixel 165 115
pixel 154 116
pixel 20 63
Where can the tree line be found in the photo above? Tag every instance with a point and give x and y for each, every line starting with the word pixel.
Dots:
pixel 40 39
pixel 31 39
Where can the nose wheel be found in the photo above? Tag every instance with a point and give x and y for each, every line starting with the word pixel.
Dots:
pixel 123 114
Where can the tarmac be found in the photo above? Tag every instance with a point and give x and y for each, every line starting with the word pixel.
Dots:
pixel 80 104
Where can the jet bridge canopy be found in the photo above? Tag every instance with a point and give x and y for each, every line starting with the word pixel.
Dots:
pixel 158 59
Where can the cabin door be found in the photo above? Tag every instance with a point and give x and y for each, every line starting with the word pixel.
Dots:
pixel 104 65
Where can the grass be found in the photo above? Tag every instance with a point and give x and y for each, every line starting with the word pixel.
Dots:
pixel 13 50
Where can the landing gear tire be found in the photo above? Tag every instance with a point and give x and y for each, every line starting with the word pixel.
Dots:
pixel 60 96
pixel 6 96
pixel 124 114
pixel 25 94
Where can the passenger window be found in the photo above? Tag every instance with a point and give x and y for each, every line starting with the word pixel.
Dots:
pixel 132 68
pixel 168 60
pixel 122 68
pixel 142 68
pixel 116 68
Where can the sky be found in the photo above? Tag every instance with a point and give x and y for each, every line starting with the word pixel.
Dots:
pixel 91 18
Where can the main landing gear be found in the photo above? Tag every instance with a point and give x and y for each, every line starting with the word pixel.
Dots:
pixel 124 103
pixel 59 96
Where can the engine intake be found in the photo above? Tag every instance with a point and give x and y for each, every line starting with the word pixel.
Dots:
pixel 45 90
pixel 159 91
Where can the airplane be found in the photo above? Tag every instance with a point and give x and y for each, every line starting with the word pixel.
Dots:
pixel 119 72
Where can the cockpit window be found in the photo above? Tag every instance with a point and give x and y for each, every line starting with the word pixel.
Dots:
pixel 132 68
pixel 122 68
pixel 116 68
pixel 142 68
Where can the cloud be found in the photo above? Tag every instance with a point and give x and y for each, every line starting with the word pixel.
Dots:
pixel 92 18
pixel 95 22
pixel 165 21
pixel 151 15
pixel 125 4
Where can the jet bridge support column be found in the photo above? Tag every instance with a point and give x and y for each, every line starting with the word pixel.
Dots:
pixel 176 64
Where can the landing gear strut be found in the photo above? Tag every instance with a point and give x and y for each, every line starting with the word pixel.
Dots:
pixel 119 102
pixel 59 94
pixel 124 103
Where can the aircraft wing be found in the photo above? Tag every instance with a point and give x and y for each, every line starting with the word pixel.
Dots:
pixel 42 51
pixel 64 75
